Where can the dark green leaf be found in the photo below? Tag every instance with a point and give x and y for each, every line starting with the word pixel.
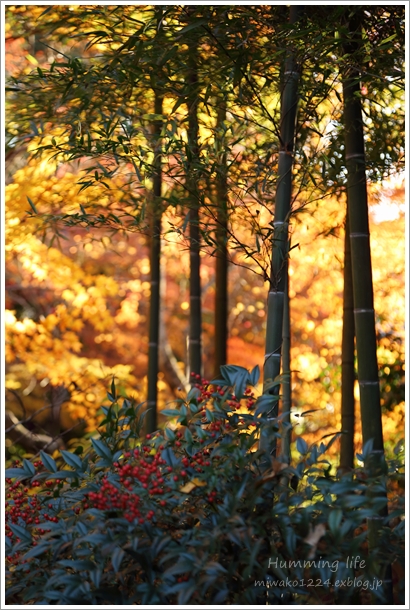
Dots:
pixel 48 461
pixel 116 558
pixel 33 207
pixel 72 460
pixel 29 468
pixel 12 473
pixel 101 449
pixel 20 532
pixel 301 445
pixel 191 26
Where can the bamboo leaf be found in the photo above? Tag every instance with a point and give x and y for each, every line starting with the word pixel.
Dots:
pixel 192 26
pixel 33 207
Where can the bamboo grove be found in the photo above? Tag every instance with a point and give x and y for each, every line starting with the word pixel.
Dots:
pixel 219 126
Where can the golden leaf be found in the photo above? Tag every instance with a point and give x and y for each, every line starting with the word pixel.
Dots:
pixel 190 486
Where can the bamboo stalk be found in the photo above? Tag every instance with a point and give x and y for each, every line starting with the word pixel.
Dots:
pixel 195 312
pixel 151 418
pixel 287 382
pixel 348 372
pixel 221 262
pixel 364 315
pixel 274 324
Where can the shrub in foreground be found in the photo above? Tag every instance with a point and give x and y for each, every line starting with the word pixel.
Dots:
pixel 193 515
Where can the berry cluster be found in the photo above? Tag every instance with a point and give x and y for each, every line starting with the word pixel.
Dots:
pixel 143 473
pixel 137 466
pixel 236 403
pixel 153 477
pixel 110 497
pixel 25 509
pixel 21 507
pixel 207 391
pixel 197 462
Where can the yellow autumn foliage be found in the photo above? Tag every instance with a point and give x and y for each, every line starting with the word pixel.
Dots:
pixel 316 289
pixel 50 347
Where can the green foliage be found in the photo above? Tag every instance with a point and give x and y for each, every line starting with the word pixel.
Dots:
pixel 186 515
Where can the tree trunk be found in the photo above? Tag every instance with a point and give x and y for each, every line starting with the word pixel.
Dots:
pixel 221 262
pixel 155 266
pixel 348 373
pixel 195 314
pixel 364 315
pixel 274 324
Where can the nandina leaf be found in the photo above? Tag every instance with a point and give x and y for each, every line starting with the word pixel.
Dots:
pixel 48 461
pixel 78 564
pixel 301 445
pixel 12 473
pixel 72 460
pixel 334 520
pixel 28 467
pixel 254 375
pixel 116 558
pixel 170 434
pixel 101 449
pixel 169 456
pixel 170 412
pixel 63 474
pixel 20 532
pixel 35 551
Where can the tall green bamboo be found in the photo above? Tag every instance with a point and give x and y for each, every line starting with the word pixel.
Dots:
pixel 221 260
pixel 155 210
pixel 155 270
pixel 195 313
pixel 348 372
pixel 287 382
pixel 364 315
pixel 274 324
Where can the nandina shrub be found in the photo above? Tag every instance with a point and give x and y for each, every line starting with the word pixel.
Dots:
pixel 194 514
